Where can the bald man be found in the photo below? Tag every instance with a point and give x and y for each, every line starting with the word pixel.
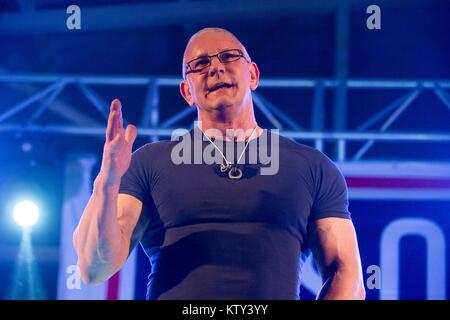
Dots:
pixel 225 229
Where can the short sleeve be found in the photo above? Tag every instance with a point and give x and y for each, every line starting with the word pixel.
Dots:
pixel 136 182
pixel 331 195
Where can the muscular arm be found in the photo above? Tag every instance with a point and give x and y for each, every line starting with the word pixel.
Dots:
pixel 335 249
pixel 102 238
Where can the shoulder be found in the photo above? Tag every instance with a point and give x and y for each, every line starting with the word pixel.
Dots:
pixel 308 158
pixel 299 149
pixel 159 153
pixel 167 144
pixel 153 148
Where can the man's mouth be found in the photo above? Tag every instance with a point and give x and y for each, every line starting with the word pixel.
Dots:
pixel 218 86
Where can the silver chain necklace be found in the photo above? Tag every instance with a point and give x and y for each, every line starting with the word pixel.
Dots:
pixel 234 172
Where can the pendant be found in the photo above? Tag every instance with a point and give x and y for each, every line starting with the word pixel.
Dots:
pixel 235 173
pixel 225 167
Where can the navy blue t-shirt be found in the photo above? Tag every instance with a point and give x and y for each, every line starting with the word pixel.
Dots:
pixel 210 237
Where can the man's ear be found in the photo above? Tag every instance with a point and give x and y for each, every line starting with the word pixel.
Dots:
pixel 186 93
pixel 254 76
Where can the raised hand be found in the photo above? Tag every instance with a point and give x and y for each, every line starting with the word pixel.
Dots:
pixel 118 146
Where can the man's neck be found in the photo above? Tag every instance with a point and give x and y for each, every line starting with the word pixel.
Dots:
pixel 237 128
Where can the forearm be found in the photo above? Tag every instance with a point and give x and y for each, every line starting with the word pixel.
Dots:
pixel 98 239
pixel 343 285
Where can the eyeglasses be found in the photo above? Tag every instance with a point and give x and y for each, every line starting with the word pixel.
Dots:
pixel 226 56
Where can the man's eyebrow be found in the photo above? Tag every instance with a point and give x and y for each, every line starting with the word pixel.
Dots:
pixel 205 54
pixel 202 54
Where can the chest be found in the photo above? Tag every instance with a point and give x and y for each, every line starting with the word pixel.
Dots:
pixel 198 193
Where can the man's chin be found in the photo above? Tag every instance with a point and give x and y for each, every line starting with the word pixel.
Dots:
pixel 220 104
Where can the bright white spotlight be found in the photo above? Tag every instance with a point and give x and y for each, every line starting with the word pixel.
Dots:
pixel 26 213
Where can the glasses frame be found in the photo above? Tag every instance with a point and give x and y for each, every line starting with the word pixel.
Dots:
pixel 188 68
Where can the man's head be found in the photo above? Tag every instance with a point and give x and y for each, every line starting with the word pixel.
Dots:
pixel 223 80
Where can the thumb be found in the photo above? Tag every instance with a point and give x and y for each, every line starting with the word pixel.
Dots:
pixel 130 134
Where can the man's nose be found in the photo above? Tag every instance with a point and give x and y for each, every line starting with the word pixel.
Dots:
pixel 216 67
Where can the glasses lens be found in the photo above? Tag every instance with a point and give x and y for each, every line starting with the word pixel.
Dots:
pixel 229 56
pixel 199 64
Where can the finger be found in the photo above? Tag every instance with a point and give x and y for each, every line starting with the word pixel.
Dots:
pixel 110 128
pixel 130 134
pixel 115 105
pixel 118 118
pixel 115 143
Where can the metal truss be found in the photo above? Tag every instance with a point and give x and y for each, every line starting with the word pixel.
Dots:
pixel 153 126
